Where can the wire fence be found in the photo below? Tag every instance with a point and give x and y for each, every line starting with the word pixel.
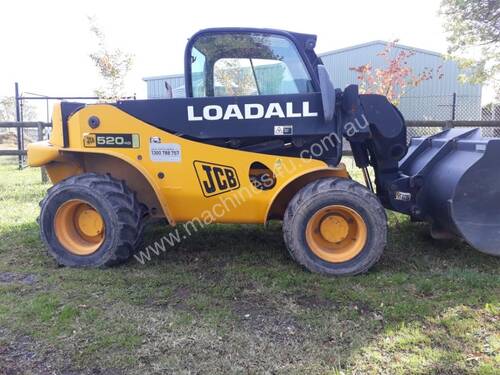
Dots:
pixel 425 131
pixel 452 107
pixel 27 107
pixel 444 108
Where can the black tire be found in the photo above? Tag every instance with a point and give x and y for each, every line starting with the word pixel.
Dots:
pixel 317 196
pixel 122 214
pixel 144 220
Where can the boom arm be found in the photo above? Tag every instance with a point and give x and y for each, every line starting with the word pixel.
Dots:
pixel 376 132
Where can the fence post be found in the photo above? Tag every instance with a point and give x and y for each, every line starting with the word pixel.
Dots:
pixel 448 125
pixel 454 107
pixel 19 129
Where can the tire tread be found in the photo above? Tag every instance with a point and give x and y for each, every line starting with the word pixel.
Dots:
pixel 130 212
pixel 330 185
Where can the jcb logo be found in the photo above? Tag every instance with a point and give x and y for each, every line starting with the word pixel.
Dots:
pixel 215 178
pixel 89 140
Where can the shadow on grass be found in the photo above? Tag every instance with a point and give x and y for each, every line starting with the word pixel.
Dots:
pixel 416 277
pixel 418 285
pixel 237 281
pixel 410 248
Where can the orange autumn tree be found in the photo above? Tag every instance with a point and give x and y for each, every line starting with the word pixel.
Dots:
pixel 395 77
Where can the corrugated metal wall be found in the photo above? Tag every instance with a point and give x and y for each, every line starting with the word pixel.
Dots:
pixel 156 86
pixel 432 100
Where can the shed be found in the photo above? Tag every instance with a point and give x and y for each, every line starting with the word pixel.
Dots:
pixel 436 99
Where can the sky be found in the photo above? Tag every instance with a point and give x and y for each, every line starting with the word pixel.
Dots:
pixel 45 45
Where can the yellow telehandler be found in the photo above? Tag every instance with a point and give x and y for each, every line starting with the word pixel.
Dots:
pixel 257 137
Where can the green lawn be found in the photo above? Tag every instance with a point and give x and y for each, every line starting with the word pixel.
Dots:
pixel 230 300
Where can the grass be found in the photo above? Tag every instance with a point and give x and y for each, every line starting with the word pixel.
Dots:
pixel 230 300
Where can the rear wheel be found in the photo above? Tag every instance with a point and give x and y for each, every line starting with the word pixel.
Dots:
pixel 336 227
pixel 79 227
pixel 91 220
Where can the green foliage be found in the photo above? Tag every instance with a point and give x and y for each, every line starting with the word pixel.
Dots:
pixel 395 77
pixel 113 65
pixel 234 78
pixel 473 28
pixel 8 109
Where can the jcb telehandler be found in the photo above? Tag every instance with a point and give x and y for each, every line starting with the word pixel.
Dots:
pixel 259 137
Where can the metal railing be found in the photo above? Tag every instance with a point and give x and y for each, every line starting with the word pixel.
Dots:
pixel 21 100
pixel 21 151
pixel 415 128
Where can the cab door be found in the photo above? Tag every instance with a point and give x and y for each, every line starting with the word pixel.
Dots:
pixel 252 87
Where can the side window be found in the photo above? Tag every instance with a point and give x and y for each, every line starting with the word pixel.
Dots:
pixel 198 73
pixel 275 77
pixel 247 64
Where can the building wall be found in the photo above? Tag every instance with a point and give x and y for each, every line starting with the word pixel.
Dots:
pixel 432 100
pixel 156 86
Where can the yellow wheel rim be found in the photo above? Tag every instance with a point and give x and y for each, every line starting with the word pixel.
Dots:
pixel 336 233
pixel 79 227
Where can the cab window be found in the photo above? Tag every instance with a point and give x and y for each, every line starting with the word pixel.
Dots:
pixel 247 64
pixel 197 72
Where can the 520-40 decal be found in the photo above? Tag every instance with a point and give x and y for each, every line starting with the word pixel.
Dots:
pixel 111 140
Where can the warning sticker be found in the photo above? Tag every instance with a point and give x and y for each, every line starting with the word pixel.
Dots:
pixel 165 152
pixel 283 130
pixel 402 196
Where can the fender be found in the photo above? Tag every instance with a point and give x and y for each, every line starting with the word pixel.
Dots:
pixel 279 202
pixel 64 162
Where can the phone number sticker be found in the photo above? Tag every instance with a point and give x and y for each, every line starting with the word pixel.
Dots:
pixel 165 152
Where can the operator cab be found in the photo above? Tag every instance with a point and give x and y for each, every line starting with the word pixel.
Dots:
pixel 258 90
pixel 264 66
pixel 244 62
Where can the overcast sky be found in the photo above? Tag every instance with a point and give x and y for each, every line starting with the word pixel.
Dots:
pixel 45 44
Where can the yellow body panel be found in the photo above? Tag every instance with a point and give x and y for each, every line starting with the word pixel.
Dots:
pixel 41 153
pixel 178 183
pixel 56 135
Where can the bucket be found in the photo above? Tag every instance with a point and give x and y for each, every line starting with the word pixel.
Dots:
pixel 460 192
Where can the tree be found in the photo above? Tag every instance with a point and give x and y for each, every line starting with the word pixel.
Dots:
pixel 473 28
pixel 8 110
pixel 8 114
pixel 113 65
pixel 491 112
pixel 396 77
pixel 235 78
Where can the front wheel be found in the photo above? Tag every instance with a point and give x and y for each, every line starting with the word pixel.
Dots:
pixel 335 227
pixel 91 220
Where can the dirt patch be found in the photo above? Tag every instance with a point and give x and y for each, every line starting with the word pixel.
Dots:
pixel 252 306
pixel 19 278
pixel 177 299
pixel 314 301
pixel 8 140
pixel 18 356
pixel 264 318
pixel 21 355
